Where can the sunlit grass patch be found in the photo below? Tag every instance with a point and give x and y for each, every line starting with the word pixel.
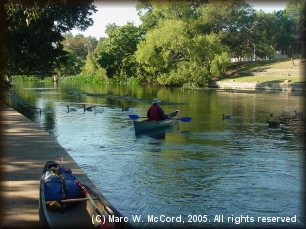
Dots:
pixel 275 79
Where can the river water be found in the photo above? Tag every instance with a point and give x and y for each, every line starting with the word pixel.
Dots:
pixel 206 172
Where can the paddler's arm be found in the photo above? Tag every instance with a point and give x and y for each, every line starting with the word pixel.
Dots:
pixel 161 113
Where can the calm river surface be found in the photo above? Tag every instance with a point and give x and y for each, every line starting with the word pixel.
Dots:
pixel 237 168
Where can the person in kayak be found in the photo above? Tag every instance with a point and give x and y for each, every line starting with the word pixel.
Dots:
pixel 156 113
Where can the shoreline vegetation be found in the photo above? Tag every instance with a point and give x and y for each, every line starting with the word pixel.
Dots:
pixel 187 45
pixel 263 71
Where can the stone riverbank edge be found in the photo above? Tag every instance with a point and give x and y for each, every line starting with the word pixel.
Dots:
pixel 284 86
pixel 25 148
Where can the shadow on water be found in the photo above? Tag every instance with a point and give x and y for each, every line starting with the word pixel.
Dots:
pixel 159 133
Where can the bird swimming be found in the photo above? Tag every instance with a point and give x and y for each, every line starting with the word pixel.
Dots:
pixel 225 116
pixel 125 108
pixel 273 124
pixel 87 108
pixel 71 108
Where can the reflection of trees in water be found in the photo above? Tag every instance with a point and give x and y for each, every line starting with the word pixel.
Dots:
pixel 49 123
pixel 205 107
pixel 131 99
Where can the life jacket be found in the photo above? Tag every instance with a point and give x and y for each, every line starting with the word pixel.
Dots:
pixel 154 113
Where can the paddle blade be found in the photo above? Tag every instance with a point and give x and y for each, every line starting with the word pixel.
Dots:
pixel 134 117
pixel 185 119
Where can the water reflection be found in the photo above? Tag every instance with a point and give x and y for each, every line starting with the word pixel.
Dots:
pixel 235 166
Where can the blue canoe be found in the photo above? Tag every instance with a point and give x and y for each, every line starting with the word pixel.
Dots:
pixel 80 210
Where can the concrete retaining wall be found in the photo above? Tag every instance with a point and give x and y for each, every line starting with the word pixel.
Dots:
pixel 285 86
pixel 295 71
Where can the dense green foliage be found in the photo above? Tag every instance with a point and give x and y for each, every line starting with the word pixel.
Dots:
pixel 179 43
pixel 188 43
pixel 78 48
pixel 115 54
pixel 34 33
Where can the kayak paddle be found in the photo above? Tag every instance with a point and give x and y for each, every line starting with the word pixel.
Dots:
pixel 135 117
pixel 183 119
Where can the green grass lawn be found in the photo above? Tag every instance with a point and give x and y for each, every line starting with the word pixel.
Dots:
pixel 272 79
pixel 234 72
pixel 266 64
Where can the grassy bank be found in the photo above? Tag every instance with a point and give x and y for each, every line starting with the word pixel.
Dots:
pixel 263 79
pixel 238 69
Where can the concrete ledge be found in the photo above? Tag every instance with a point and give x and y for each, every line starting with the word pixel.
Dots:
pixel 285 86
pixel 26 149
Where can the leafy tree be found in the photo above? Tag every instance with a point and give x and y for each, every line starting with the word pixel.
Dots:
pixel 34 32
pixel 171 56
pixel 150 12
pixel 163 47
pixel 115 53
pixel 294 15
pixel 264 33
pixel 145 13
pixel 296 12
pixel 191 41
pixel 285 32
pixel 79 45
pixel 92 68
pixel 78 48
pixel 70 67
pixel 231 20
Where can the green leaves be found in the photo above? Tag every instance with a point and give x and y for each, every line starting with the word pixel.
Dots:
pixel 34 33
pixel 115 53
pixel 178 43
pixel 296 11
pixel 191 42
pixel 174 56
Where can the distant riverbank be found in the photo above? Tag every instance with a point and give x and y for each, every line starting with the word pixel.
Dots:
pixel 256 85
pixel 282 75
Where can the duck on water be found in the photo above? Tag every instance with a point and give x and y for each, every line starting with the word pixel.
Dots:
pixel 87 108
pixel 71 108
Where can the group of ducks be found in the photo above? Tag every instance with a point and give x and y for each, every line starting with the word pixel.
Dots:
pixel 285 118
pixel 93 108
